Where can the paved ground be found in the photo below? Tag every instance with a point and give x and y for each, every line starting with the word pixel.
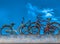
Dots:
pixel 30 39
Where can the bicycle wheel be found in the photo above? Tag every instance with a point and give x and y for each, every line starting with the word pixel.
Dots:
pixel 24 30
pixel 6 31
pixel 34 28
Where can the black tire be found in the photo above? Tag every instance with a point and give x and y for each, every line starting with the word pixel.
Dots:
pixel 34 30
pixel 24 30
pixel 6 30
pixel 33 27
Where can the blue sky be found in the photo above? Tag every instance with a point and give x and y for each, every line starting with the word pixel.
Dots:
pixel 14 10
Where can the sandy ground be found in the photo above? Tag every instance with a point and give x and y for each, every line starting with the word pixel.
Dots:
pixel 30 39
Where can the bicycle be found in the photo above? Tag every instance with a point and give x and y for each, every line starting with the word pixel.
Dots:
pixel 51 26
pixel 9 30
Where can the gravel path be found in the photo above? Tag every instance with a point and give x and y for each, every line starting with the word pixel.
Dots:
pixel 30 39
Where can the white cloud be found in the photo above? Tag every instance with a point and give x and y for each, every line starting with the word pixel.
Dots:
pixel 48 15
pixel 33 11
pixel 48 12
